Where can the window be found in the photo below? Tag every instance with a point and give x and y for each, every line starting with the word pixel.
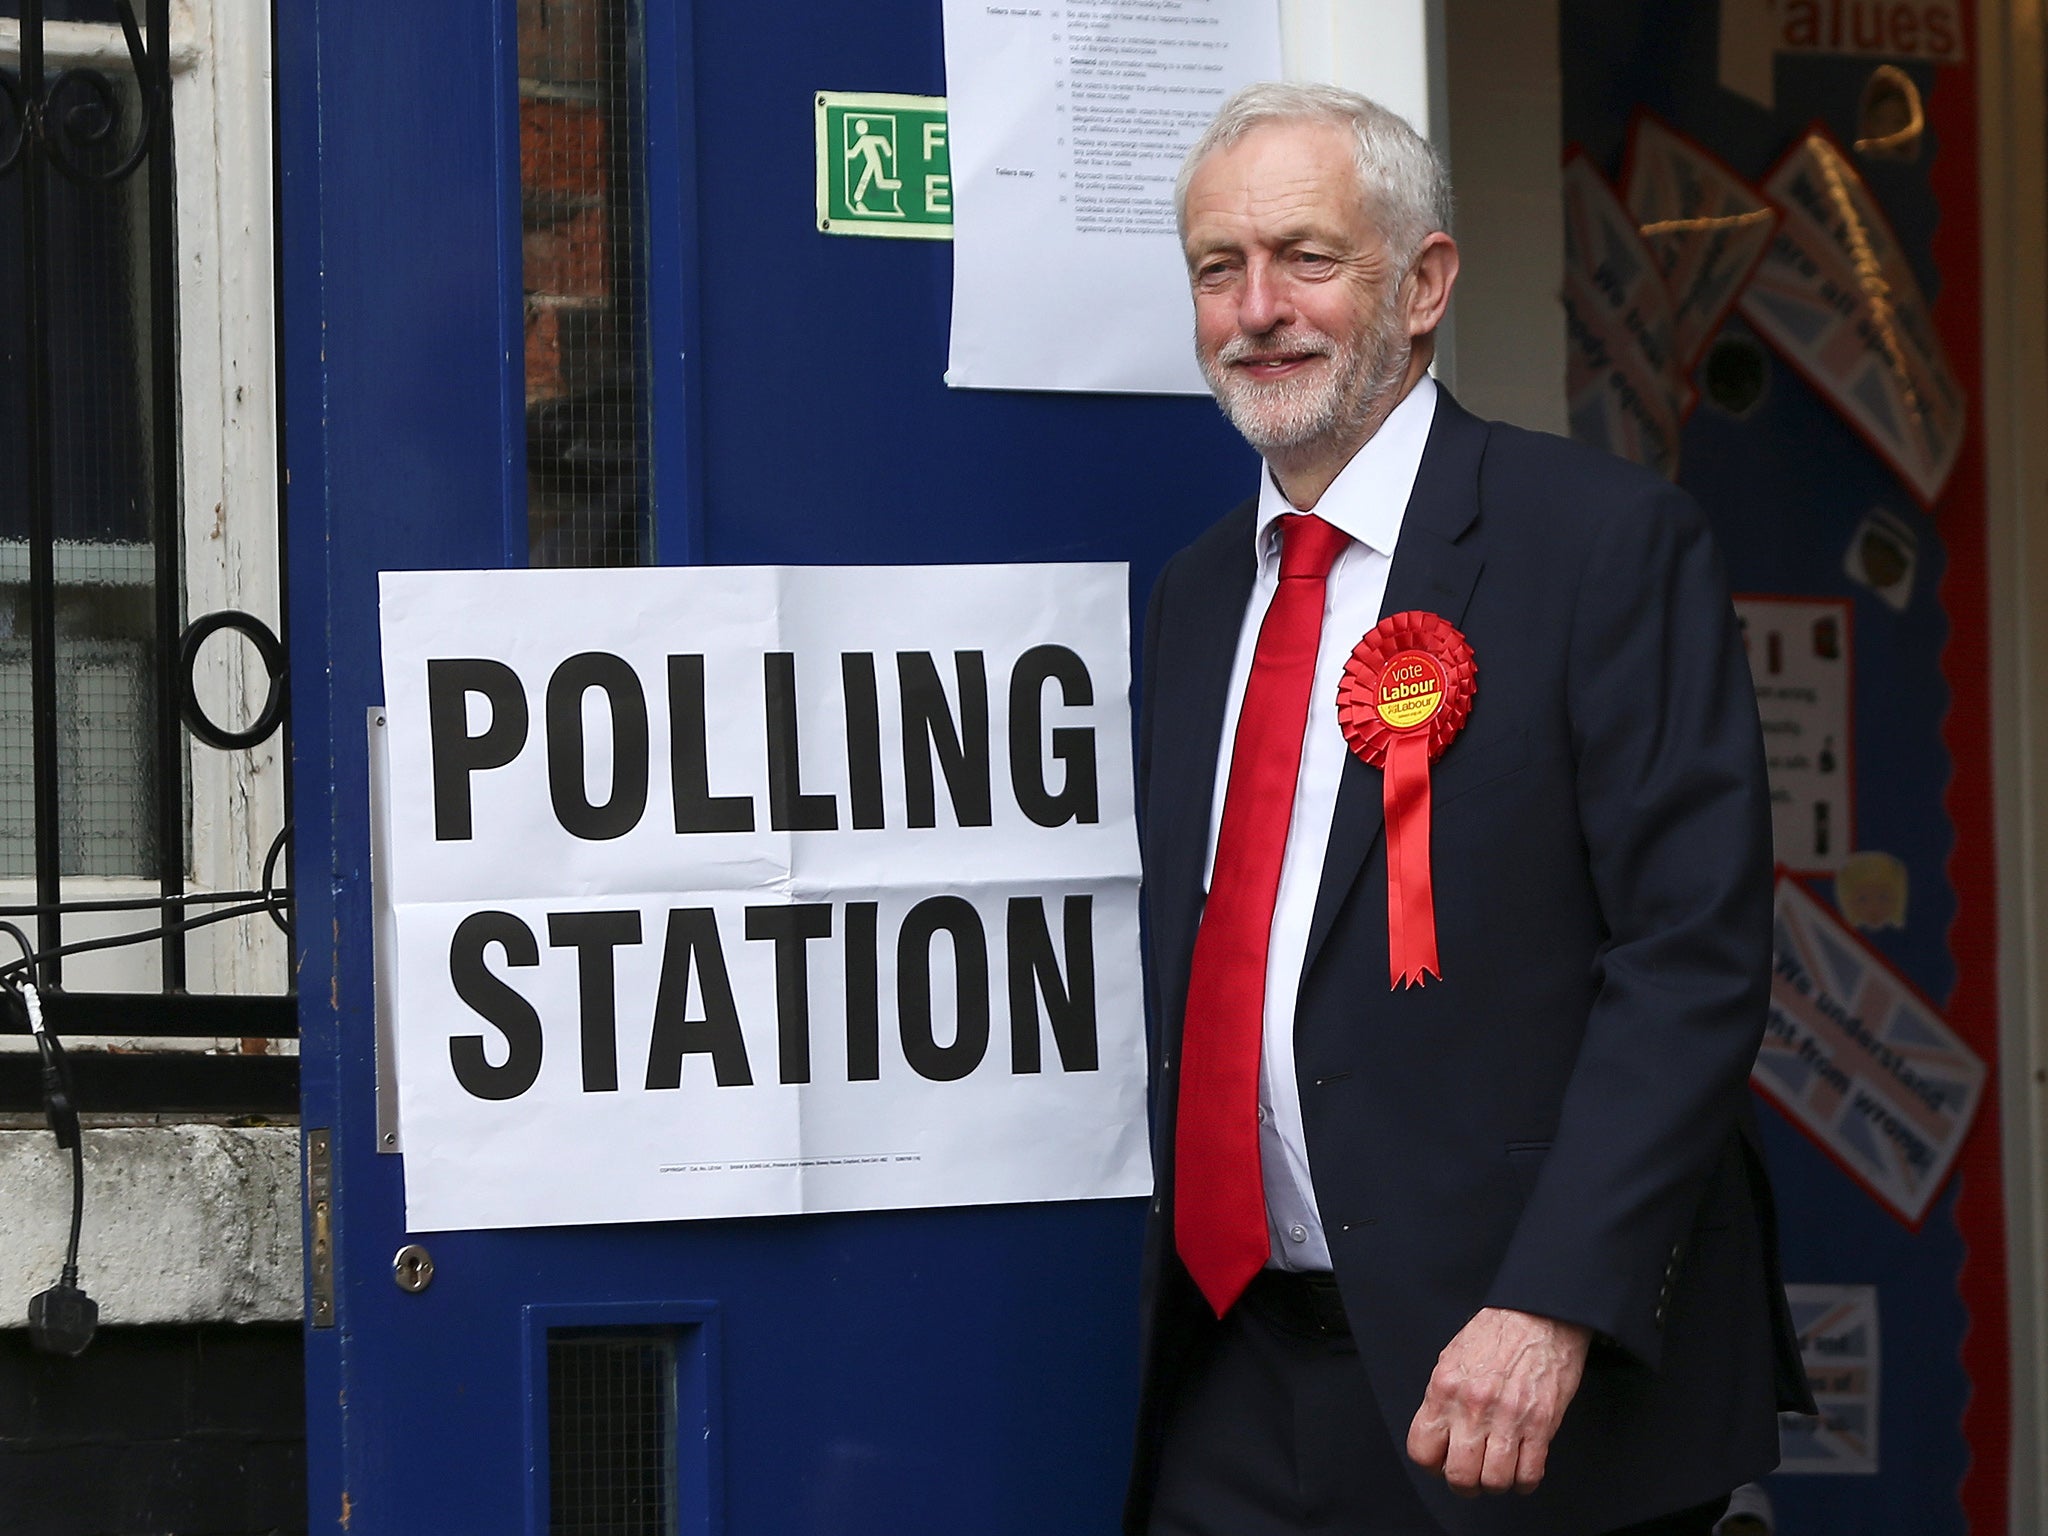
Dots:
pixel 582 214
pixel 146 458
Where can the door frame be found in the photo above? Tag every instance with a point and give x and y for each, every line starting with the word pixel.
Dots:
pixel 2013 144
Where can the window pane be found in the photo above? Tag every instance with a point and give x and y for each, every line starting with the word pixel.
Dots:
pixel 582 205
pixel 93 269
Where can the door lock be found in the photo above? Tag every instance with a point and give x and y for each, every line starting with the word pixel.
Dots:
pixel 413 1268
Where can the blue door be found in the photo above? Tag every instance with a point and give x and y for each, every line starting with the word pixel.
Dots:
pixel 967 1370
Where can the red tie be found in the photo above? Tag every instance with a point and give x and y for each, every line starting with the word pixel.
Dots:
pixel 1219 1209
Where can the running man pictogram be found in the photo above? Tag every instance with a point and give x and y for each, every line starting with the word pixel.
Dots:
pixel 872 146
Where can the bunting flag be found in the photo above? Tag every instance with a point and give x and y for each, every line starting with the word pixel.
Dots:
pixel 1706 227
pixel 1861 1062
pixel 1835 295
pixel 1623 387
pixel 1840 1348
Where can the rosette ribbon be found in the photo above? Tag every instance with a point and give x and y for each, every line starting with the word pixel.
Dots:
pixel 1405 694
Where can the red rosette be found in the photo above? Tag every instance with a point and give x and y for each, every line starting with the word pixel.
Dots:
pixel 1406 693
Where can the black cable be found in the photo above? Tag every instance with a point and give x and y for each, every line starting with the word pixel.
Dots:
pixel 70 1275
pixel 279 897
pixel 28 950
pixel 138 903
pixel 62 1319
pixel 271 899
pixel 140 936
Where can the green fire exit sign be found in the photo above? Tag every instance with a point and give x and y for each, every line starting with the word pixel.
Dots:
pixel 884 167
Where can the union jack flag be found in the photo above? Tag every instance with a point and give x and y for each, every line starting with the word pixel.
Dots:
pixel 1836 295
pixel 1838 1345
pixel 1706 227
pixel 1624 388
pixel 1860 1062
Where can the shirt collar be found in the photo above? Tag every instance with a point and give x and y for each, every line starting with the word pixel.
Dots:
pixel 1370 494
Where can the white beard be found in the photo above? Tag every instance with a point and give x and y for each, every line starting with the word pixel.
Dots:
pixel 1282 415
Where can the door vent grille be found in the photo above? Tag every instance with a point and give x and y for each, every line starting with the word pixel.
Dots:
pixel 611 1433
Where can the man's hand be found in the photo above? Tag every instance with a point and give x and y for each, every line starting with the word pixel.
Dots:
pixel 1495 1399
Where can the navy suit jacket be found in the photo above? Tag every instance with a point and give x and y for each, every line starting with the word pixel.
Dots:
pixel 1562 1123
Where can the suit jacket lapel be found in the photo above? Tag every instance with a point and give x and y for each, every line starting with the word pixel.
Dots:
pixel 1187 729
pixel 1435 568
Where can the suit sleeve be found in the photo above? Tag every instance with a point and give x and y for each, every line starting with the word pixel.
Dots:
pixel 1147 661
pixel 1674 805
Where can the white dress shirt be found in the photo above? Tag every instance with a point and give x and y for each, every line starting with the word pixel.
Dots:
pixel 1366 500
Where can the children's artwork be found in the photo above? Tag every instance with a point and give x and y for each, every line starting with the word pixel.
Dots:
pixel 1870 888
pixel 1622 384
pixel 1705 225
pixel 1883 554
pixel 1838 1345
pixel 1799 655
pixel 1861 1062
pixel 1836 296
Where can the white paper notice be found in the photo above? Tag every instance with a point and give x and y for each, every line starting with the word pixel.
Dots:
pixel 1068 120
pixel 739 892
pixel 1801 657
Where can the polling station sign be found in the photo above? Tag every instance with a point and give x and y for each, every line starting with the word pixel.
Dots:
pixel 753 891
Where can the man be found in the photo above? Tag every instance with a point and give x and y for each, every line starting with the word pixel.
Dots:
pixel 1415 1247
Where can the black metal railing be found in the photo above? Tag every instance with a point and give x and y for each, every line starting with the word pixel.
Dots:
pixel 97 131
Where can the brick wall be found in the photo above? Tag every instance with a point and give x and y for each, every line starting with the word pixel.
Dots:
pixel 564 185
pixel 582 278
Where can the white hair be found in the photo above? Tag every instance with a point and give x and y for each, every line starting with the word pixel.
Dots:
pixel 1407 190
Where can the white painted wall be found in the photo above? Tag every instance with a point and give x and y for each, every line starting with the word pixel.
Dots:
pixel 1481 79
pixel 1504 136
pixel 1379 48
